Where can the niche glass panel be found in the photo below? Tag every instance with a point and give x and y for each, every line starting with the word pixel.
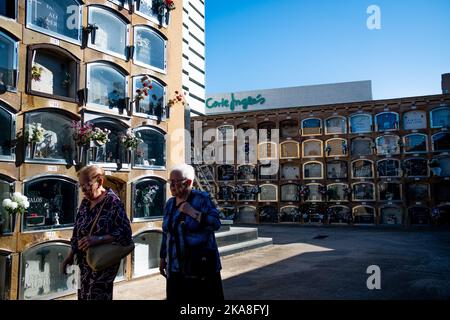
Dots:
pixel 289 192
pixel 53 204
pixel 388 145
pixel 8 61
pixel 145 256
pixel 311 127
pixel 388 168
pixel 415 143
pixel 153 104
pixel 337 170
pixel 440 118
pixel 60 18
pixel 362 169
pixel 107 87
pixel 312 148
pixel 151 152
pixel 363 192
pixel 336 125
pixel 6 134
pixel 312 170
pixel 391 216
pixel 364 215
pixel 390 191
pixel 111 33
pixel 246 173
pixel 111 152
pixel 361 123
pixel 149 198
pixel 58 74
pixel 41 276
pixel 362 147
pixel 150 48
pixel 387 121
pixel 290 171
pixel 415 120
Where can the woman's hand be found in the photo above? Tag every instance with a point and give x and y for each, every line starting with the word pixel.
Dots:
pixel 87 242
pixel 68 261
pixel 186 208
pixel 163 267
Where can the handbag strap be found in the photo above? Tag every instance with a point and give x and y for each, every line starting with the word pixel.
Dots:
pixel 98 215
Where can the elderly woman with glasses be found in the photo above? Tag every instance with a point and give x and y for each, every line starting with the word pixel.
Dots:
pixel 189 255
pixel 113 225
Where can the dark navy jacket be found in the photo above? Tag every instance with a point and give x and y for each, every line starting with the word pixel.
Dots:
pixel 197 233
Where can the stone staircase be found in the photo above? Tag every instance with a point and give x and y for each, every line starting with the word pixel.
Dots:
pixel 229 239
pixel 233 240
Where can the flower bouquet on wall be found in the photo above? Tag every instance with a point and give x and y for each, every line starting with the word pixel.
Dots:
pixel 34 134
pixel 36 73
pixel 179 98
pixel 163 8
pixel 131 141
pixel 82 135
pixel 347 193
pixel 148 198
pixel 143 92
pixel 304 192
pixel 16 205
pixel 99 138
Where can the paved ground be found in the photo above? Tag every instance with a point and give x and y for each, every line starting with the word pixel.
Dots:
pixel 415 264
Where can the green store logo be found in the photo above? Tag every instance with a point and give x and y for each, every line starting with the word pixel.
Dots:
pixel 233 103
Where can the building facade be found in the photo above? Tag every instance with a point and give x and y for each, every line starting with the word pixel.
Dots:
pixel 383 162
pixel 194 62
pixel 115 66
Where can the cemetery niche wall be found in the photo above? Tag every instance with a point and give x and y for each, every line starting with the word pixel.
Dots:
pixel 382 163
pixel 71 64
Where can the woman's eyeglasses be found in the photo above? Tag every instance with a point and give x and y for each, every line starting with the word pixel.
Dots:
pixel 175 181
pixel 87 186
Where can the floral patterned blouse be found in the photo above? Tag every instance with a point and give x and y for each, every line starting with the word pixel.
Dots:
pixel 112 221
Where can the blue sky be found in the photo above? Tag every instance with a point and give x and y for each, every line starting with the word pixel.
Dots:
pixel 264 44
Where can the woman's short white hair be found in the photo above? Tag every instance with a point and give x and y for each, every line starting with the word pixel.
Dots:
pixel 187 171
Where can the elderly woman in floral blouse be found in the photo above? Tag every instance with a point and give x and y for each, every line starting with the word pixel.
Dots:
pixel 112 226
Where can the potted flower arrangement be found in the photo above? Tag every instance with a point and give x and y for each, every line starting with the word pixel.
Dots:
pixel 131 141
pixel 435 167
pixel 179 98
pixel 36 73
pixel 143 92
pixel 17 204
pixel 148 198
pixel 347 192
pixel 99 138
pixel 304 192
pixel 82 135
pixel 163 8
pixel 34 133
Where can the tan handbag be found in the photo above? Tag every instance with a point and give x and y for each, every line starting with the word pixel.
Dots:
pixel 106 255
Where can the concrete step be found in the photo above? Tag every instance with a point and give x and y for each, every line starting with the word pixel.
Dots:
pixel 236 235
pixel 245 246
pixel 225 225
